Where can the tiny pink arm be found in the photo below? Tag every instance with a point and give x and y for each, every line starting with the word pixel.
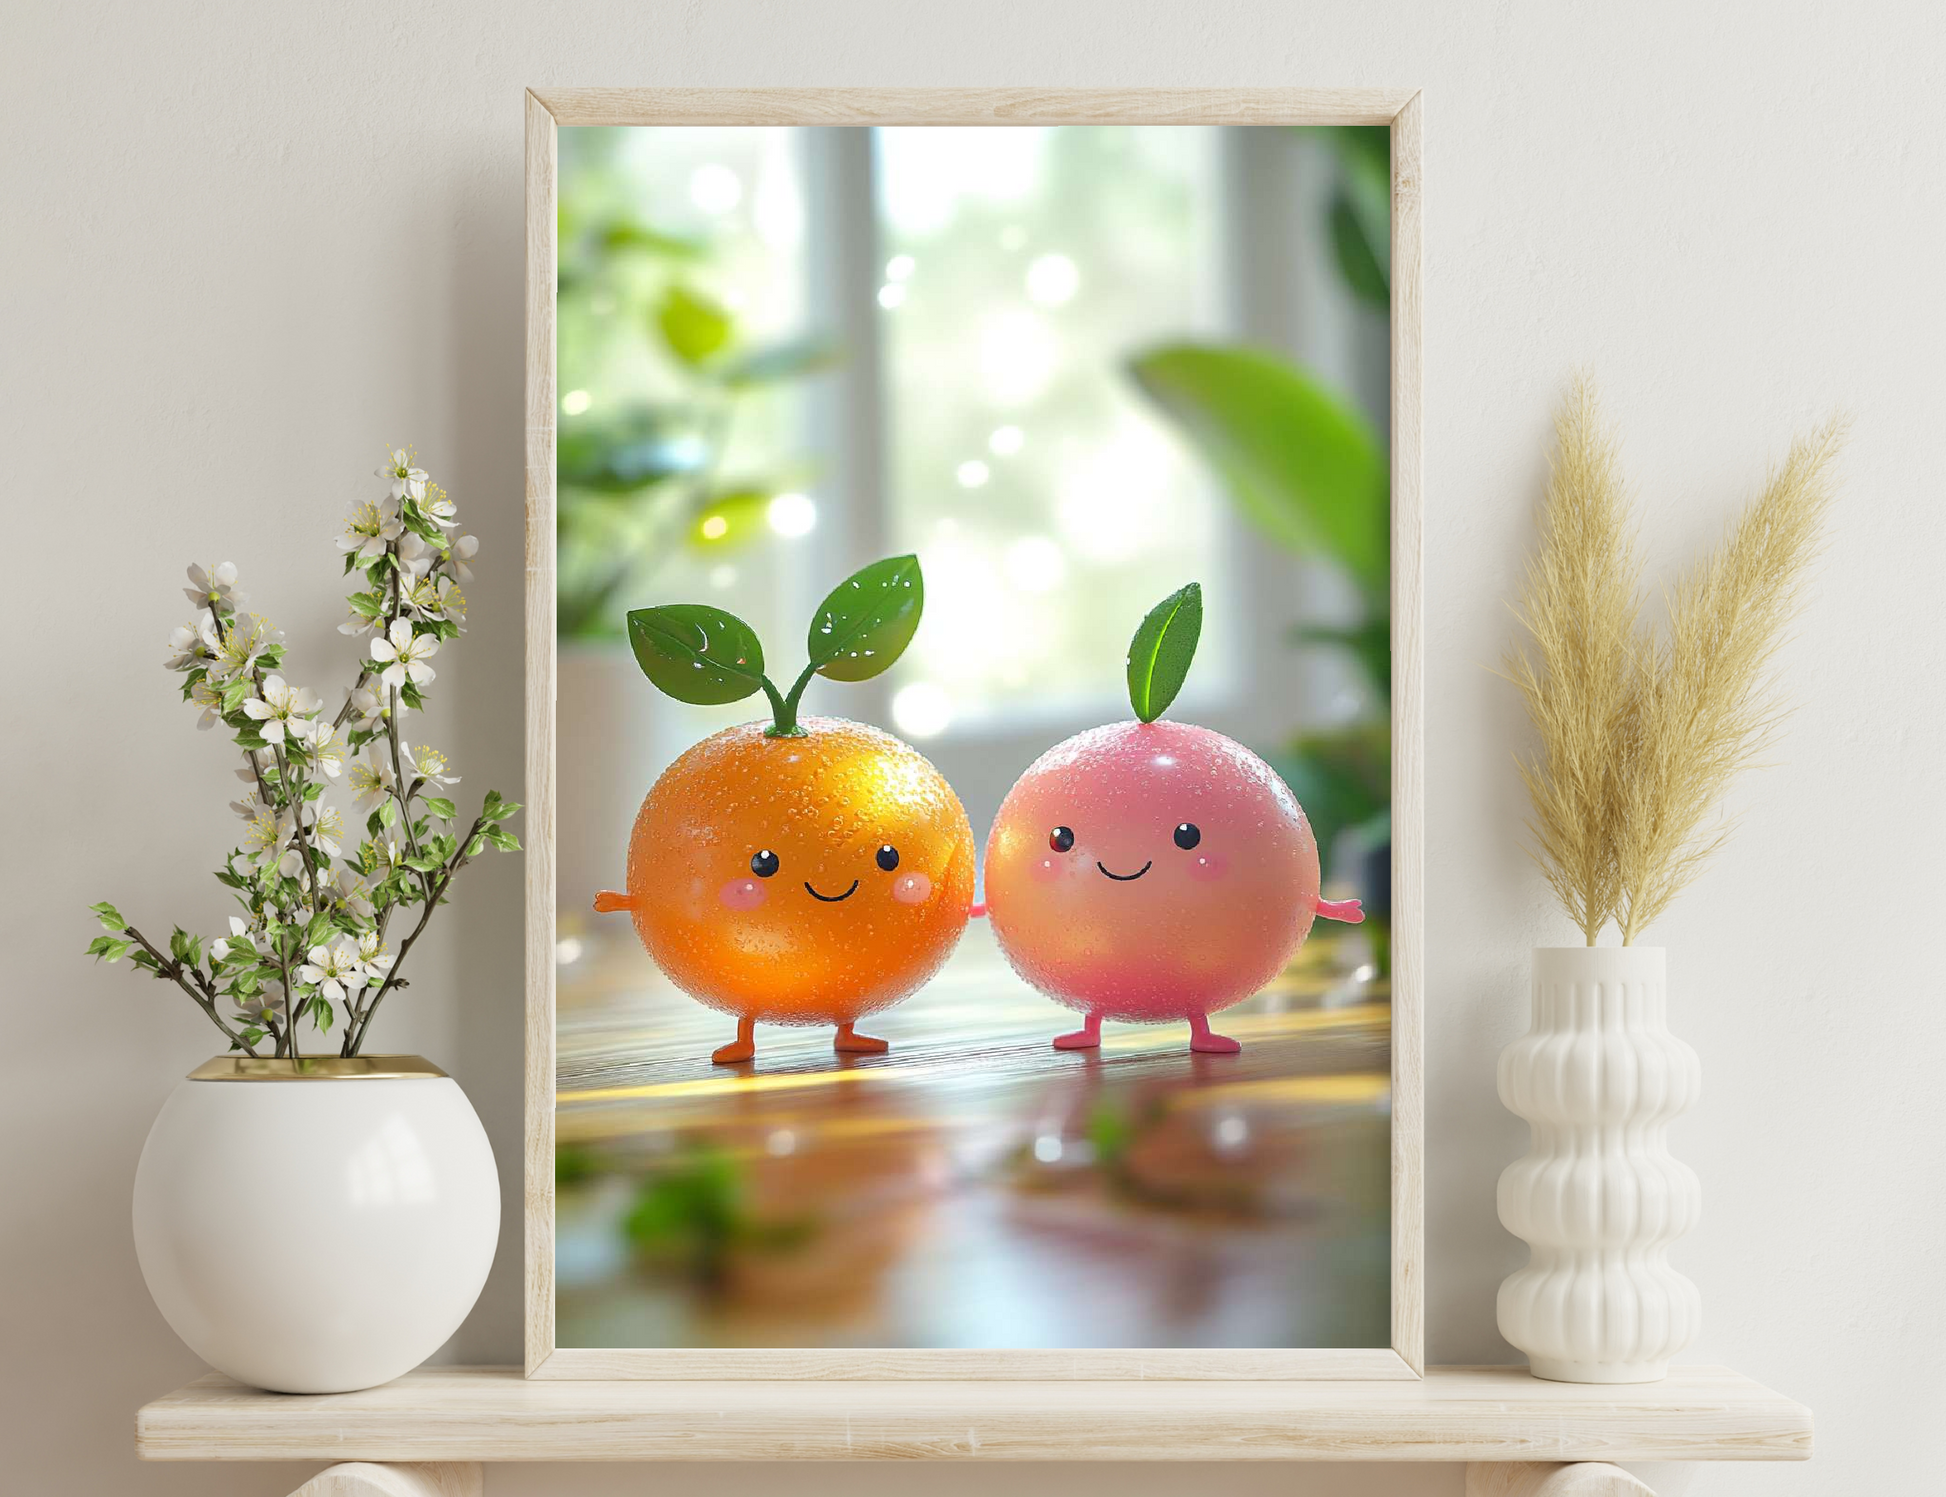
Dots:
pixel 608 901
pixel 978 912
pixel 1347 910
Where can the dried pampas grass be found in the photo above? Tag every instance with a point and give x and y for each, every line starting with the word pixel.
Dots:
pixel 1641 733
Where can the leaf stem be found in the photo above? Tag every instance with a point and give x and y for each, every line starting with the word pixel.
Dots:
pixel 783 709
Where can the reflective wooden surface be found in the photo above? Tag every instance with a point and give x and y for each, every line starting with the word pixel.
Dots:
pixel 973 1187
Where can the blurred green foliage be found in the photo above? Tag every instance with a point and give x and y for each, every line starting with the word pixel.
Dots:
pixel 693 1217
pixel 641 473
pixel 1305 467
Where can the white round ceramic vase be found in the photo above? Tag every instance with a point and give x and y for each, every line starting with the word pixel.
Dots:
pixel 1598 1197
pixel 318 1226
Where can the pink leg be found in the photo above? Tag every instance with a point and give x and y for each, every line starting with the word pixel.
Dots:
pixel 1201 1039
pixel 850 1042
pixel 1087 1037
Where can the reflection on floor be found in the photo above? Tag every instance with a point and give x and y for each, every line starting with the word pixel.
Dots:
pixel 975 1187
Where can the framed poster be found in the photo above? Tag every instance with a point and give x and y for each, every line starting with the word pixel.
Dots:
pixel 1047 358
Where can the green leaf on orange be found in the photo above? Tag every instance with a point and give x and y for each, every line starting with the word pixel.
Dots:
pixel 867 620
pixel 697 654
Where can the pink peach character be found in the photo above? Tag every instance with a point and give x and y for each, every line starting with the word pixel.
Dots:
pixel 1153 871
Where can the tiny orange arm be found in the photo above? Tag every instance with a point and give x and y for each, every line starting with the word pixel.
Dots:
pixel 608 901
pixel 1348 910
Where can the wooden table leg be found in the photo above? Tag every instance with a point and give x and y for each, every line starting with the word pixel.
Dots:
pixel 369 1479
pixel 1551 1479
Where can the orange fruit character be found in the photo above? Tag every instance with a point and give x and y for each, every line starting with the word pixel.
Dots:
pixel 795 872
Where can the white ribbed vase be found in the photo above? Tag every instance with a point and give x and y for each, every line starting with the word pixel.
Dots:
pixel 1598 1198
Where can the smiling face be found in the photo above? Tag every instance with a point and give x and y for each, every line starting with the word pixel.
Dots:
pixel 1149 871
pixel 802 880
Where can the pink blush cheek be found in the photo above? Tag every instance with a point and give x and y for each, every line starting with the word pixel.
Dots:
pixel 741 894
pixel 1207 868
pixel 1045 868
pixel 912 888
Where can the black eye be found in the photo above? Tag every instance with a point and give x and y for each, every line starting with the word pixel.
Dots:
pixel 888 857
pixel 1061 838
pixel 1188 835
pixel 764 864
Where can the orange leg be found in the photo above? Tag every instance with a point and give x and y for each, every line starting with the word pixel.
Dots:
pixel 850 1042
pixel 740 1049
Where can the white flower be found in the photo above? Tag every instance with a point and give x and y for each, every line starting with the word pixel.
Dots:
pixel 326 742
pixel 334 970
pixel 371 527
pixel 459 551
pixel 264 1006
pixel 281 709
pixel 437 597
pixel 371 779
pixel 240 936
pixel 347 892
pixel 191 644
pixel 242 644
pixel 256 764
pixel 210 586
pixel 356 623
pixel 263 838
pixel 210 699
pixel 404 655
pixel 428 764
pixel 377 962
pixel 327 827
pixel 406 479
pixel 436 507
pixel 416 558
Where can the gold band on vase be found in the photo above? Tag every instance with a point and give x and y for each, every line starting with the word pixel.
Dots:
pixel 316 1068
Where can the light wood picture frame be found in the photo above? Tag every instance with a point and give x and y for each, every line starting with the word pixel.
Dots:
pixel 549 109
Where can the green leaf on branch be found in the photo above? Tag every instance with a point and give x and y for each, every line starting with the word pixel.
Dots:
pixel 179 944
pixel 322 1014
pixel 867 620
pixel 444 809
pixel 476 846
pixel 107 948
pixel 497 809
pixel 501 838
pixel 697 654
pixel 109 916
pixel 388 811
pixel 1162 649
pixel 695 328
pixel 1301 463
pixel 366 605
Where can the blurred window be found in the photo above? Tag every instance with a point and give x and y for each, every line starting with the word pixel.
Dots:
pixel 1021 268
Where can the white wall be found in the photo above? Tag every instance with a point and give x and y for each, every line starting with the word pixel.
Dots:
pixel 245 244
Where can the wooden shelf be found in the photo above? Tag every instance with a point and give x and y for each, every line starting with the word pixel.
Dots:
pixel 1455 1414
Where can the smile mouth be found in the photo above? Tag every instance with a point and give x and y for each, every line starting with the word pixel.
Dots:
pixel 839 898
pixel 1123 878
